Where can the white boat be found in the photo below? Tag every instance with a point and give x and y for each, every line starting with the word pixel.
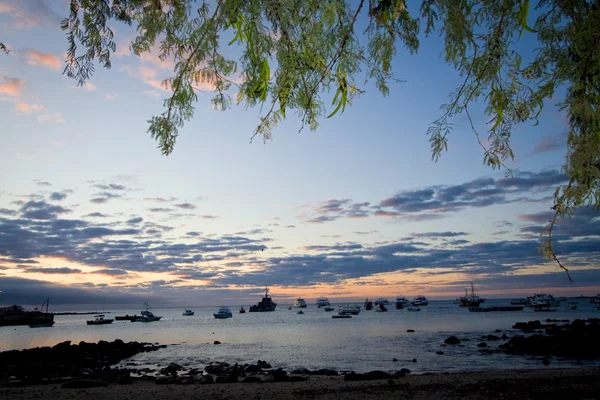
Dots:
pixel 147 314
pixel 380 308
pixel 187 312
pixel 299 303
pixel 100 320
pixel 413 309
pixel 420 301
pixel 402 300
pixel 381 300
pixel 519 302
pixel 540 300
pixel 349 310
pixel 223 312
pixel 322 302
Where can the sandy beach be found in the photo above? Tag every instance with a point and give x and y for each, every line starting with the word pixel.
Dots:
pixel 575 383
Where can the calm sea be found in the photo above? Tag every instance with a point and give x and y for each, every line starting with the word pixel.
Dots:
pixel 313 340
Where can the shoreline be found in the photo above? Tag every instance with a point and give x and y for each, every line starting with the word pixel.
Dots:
pixel 492 384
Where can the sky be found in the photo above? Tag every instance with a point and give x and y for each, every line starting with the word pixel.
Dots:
pixel 92 213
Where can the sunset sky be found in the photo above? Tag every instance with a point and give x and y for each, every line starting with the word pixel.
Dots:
pixel 92 213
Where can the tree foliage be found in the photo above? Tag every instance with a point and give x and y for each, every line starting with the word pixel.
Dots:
pixel 294 52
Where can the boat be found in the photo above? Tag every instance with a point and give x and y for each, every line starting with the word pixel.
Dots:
pixel 242 311
pixel 290 307
pixel 518 302
pixel 223 313
pixel 349 309
pixel 322 302
pixel 381 300
pixel 544 309
pixel 401 302
pixel 540 300
pixel 187 313
pixel 420 301
pixel 100 320
pixel 300 312
pixel 595 300
pixel 368 304
pixel 413 309
pixel 16 315
pixel 380 308
pixel 147 314
pixel 42 325
pixel 469 300
pixel 266 304
pixel 500 308
pixel 127 317
pixel 329 308
pixel 299 303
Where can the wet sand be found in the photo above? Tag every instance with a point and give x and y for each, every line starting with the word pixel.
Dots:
pixel 543 384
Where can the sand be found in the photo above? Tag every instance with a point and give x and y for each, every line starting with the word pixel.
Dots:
pixel 575 383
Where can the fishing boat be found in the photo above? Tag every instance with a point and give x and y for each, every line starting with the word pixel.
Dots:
pixel 349 309
pixel 187 313
pixel 380 308
pixel 266 304
pixel 242 311
pixel 368 304
pixel 322 302
pixel 540 300
pixel 299 303
pixel 469 300
pixel 420 301
pixel 223 313
pixel 401 302
pixel 17 315
pixel 127 317
pixel 381 300
pixel 147 314
pixel 100 320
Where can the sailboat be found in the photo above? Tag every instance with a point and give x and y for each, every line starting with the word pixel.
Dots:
pixel 42 319
pixel 470 300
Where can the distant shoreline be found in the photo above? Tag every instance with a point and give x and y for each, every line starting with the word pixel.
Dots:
pixel 81 313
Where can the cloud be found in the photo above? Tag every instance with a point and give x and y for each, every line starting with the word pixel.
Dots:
pixel 161 199
pixel 55 117
pixel 97 215
pixel 159 209
pixel 27 108
pixel 57 196
pixel 37 58
pixel 41 210
pixel 209 216
pixel 111 96
pixel 109 186
pixel 436 235
pixel 63 270
pixel 111 272
pixel 11 86
pixel 134 221
pixel 151 93
pixel 550 143
pixel 42 183
pixel 23 156
pixel 185 206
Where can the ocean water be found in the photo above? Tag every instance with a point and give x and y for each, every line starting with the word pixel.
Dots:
pixel 313 340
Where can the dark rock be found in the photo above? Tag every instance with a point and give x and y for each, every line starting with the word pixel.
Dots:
pixel 372 375
pixel 326 372
pixel 351 377
pixel 492 337
pixel 395 359
pixel 410 330
pixel 301 371
pixel 251 368
pixel 83 383
pixel 504 336
pixel 414 360
pixel 440 353
pixel 528 326
pixel 216 342
pixel 545 361
pixel 267 379
pixel 279 375
pixel 405 371
pixel 233 375
pixel 298 378
pixel 220 368
pixel 221 379
pixel 171 369
pixel 482 344
pixel 206 380
pixel 263 364
pixel 251 379
pixel 452 340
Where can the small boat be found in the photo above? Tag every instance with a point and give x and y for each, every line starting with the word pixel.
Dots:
pixel 340 316
pixel 328 308
pixel 299 303
pixel 242 311
pixel 420 301
pixel 322 302
pixel 543 309
pixel 380 308
pixel 300 312
pixel 223 312
pixel 266 304
pixel 368 304
pixel 469 300
pixel 187 313
pixel 540 300
pixel 401 302
pixel 100 320
pixel 127 317
pixel 413 309
pixel 147 314
pixel 290 307
pixel 42 325
pixel 349 309
pixel 382 300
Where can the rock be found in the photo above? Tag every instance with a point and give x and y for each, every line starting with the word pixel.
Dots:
pixel 352 376
pixel 221 379
pixel 279 375
pixel 164 381
pixel 267 378
pixel 324 371
pixel 252 368
pixel 372 375
pixel 298 378
pixel 251 379
pixel 301 371
pixel 83 383
pixel 528 326
pixel 263 364
pixel 220 368
pixel 452 340
pixel 545 361
pixel 492 337
pixel 504 336
pixel 410 330
pixel 405 371
pixel 171 369
pixel 440 353
pixel 395 359
pixel 414 360
pixel 216 342
pixel 207 379
pixel 482 344
pixel 233 375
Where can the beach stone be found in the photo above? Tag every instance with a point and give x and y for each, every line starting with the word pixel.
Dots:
pixel 279 375
pixel 405 371
pixel 207 380
pixel 83 384
pixel 302 371
pixel 452 340
pixel 251 379
pixel 171 369
pixel 439 353
pixel 353 376
pixel 482 344
pixel 414 360
pixel 410 330
pixel 492 337
pixel 233 375
pixel 545 361
pixel 216 342
pixel 267 378
pixel 263 364
pixel 395 359
pixel 220 368
pixel 528 326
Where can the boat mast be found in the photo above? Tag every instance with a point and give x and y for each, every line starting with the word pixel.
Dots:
pixel 472 290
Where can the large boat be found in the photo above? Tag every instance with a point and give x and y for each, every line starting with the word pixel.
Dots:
pixel 381 300
pixel 17 315
pixel 266 304
pixel 540 300
pixel 420 301
pixel 401 302
pixel 100 320
pixel 223 312
pixel 322 302
pixel 349 310
pixel 469 300
pixel 187 313
pixel 147 314
pixel 299 303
